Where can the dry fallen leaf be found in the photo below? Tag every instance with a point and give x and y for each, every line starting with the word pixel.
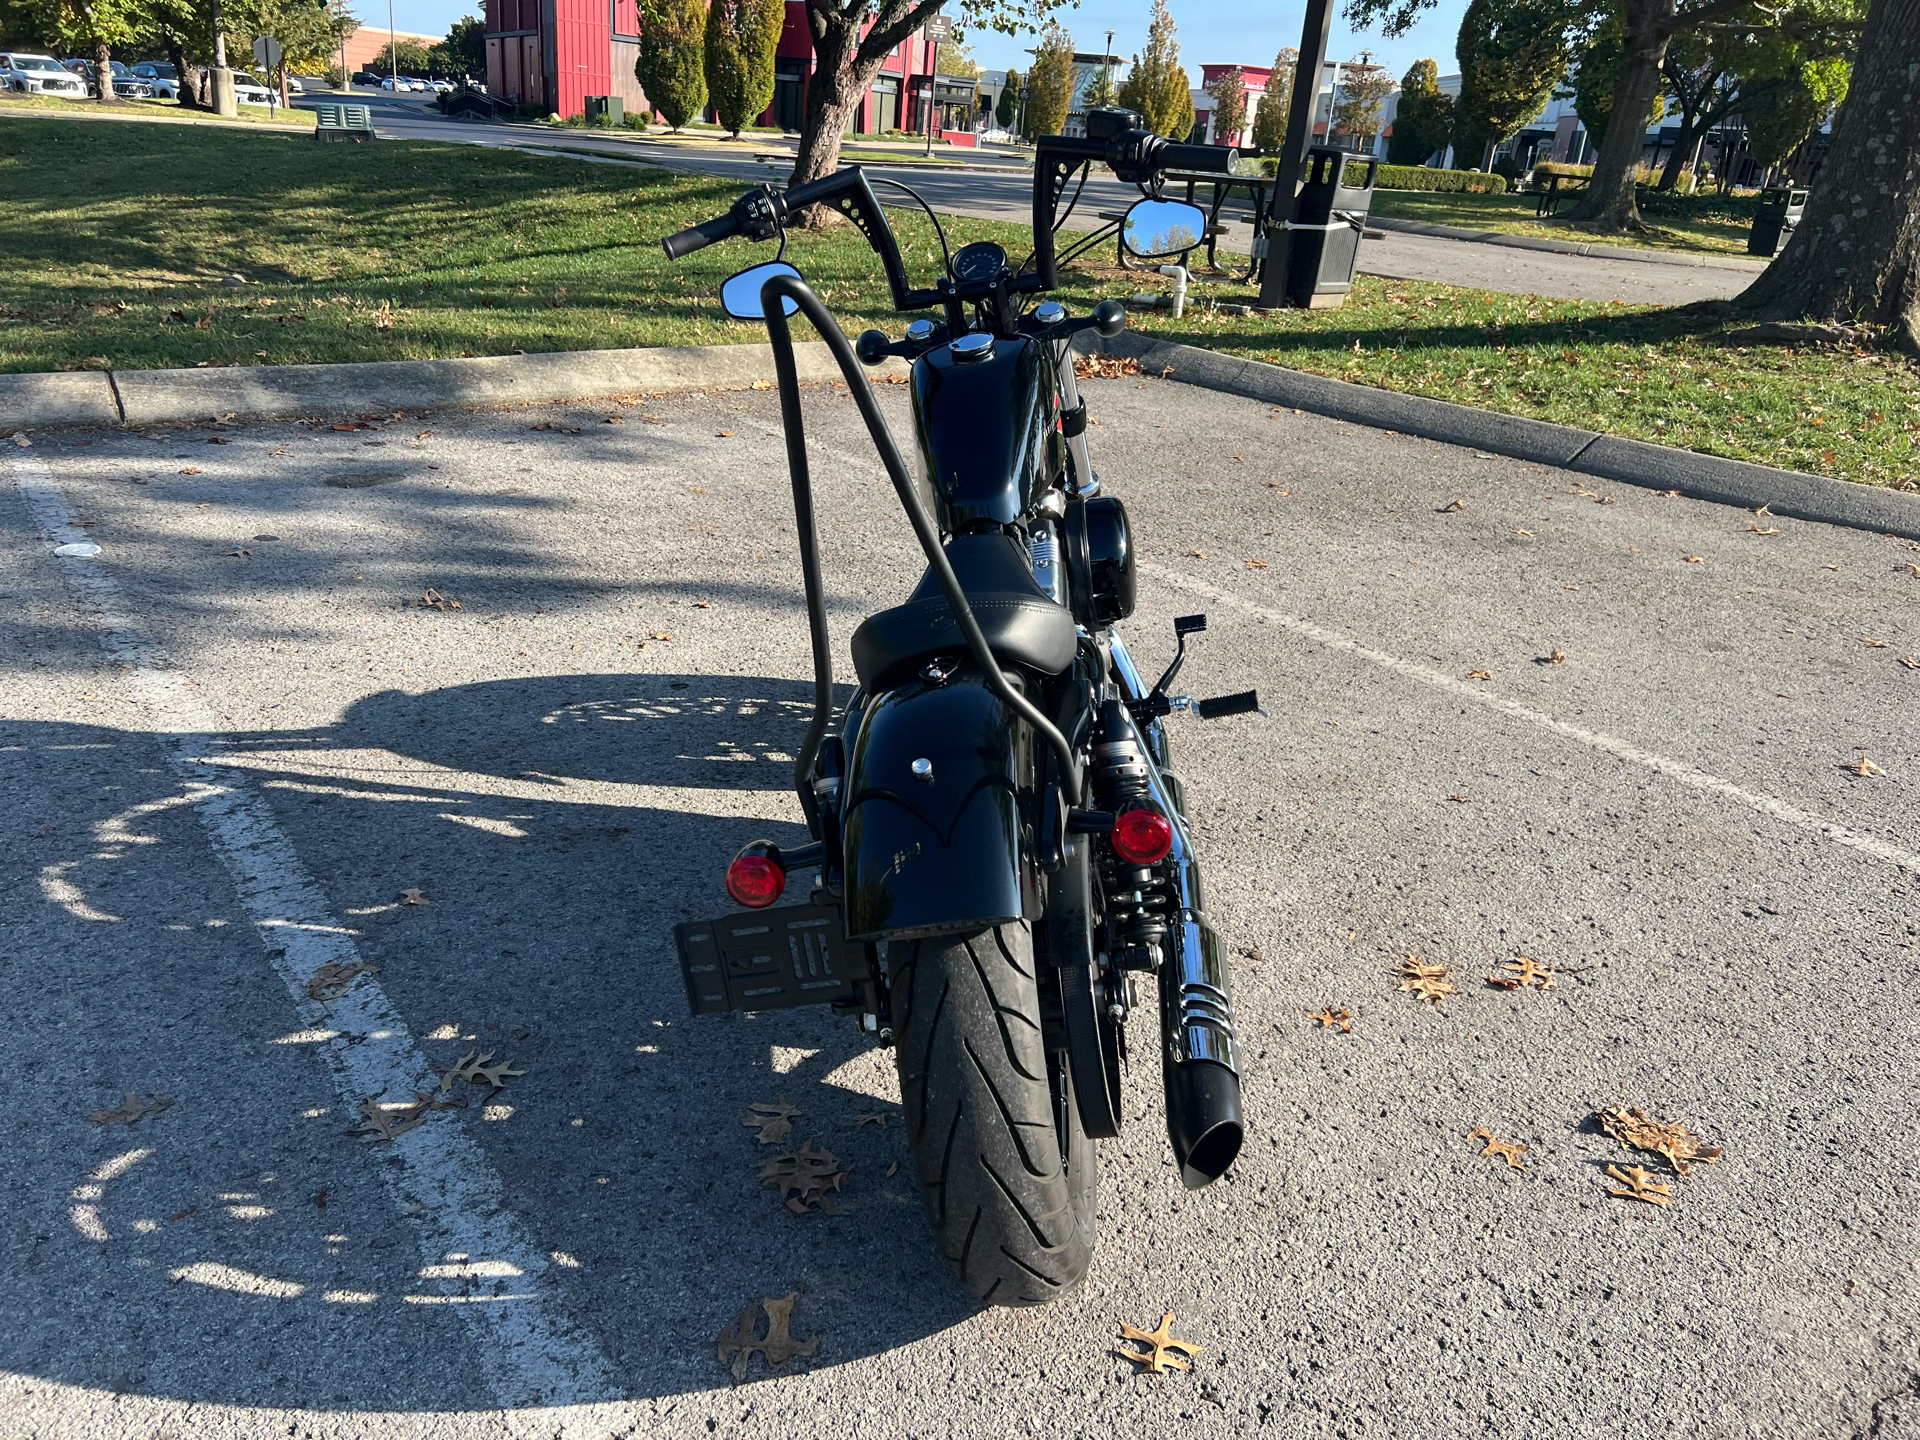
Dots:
pixel 1427 982
pixel 737 1342
pixel 479 1069
pixel 333 979
pixel 1864 767
pixel 1693 559
pixel 1671 1139
pixel 1479 674
pixel 384 1123
pixel 1165 1353
pixel 1873 644
pixel 1555 657
pixel 658 635
pixel 879 1119
pixel 1258 565
pixel 132 1110
pixel 183 1214
pixel 1761 529
pixel 413 897
pixel 804 1177
pixel 320 1198
pixel 1497 1149
pixel 770 1123
pixel 1528 533
pixel 726 434
pixel 431 599
pixel 1526 971
pixel 1453 507
pixel 1910 662
pixel 1460 799
pixel 703 604
pixel 1331 1017
pixel 1199 554
pixel 1640 1184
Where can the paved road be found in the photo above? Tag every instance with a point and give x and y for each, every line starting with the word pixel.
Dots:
pixel 223 769
pixel 993 196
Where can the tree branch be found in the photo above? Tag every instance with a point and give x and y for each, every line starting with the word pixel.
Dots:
pixel 883 37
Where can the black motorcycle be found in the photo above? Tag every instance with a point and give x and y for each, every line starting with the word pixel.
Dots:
pixel 1001 846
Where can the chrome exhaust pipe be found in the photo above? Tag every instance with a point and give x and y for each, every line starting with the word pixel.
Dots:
pixel 1197 1058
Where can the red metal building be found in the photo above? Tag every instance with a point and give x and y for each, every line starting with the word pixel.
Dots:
pixel 555 53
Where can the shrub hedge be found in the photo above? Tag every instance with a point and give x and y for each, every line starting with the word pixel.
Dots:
pixel 1419 177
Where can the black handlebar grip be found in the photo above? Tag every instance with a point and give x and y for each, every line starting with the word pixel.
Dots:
pixel 700 236
pixel 1212 158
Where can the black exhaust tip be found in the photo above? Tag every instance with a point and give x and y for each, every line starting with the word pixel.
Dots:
pixel 1203 1120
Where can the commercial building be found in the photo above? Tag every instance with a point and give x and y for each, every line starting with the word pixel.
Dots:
pixel 554 53
pixel 361 48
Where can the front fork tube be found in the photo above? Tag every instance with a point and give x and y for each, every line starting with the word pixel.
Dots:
pixel 1079 460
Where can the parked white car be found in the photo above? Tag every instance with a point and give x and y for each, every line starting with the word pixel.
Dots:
pixel 161 75
pixel 25 73
pixel 440 87
pixel 251 92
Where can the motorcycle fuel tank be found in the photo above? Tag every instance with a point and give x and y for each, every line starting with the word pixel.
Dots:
pixel 985 410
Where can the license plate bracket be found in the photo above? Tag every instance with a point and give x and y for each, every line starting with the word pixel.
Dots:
pixel 771 960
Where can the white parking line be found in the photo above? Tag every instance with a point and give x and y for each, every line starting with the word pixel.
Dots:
pixel 442 1181
pixel 1689 775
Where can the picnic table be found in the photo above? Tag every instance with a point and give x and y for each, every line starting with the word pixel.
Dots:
pixel 1558 187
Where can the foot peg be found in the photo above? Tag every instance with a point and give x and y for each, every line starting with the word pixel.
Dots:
pixel 1246 702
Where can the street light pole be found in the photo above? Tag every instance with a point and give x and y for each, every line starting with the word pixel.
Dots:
pixel 393 48
pixel 1293 158
pixel 1106 83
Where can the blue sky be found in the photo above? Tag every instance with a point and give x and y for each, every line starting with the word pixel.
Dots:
pixel 1211 32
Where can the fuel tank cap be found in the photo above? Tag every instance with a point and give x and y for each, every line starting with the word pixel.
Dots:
pixel 971 348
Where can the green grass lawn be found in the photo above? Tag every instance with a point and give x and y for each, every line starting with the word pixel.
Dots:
pixel 118 235
pixel 152 110
pixel 1719 229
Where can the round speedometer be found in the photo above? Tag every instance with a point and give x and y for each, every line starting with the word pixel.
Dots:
pixel 982 261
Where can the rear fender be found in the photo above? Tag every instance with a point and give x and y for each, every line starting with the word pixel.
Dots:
pixel 953 851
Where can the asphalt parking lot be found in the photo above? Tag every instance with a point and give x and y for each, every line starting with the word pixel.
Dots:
pixel 486 700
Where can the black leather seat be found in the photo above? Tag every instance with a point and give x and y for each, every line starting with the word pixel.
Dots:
pixel 1022 623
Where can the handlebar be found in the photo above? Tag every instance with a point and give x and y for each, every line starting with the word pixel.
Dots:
pixel 1135 156
pixel 701 236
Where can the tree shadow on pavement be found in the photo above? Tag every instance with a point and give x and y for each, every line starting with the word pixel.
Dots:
pixel 557 827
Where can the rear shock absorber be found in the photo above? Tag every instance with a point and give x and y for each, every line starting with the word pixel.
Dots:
pixel 1139 901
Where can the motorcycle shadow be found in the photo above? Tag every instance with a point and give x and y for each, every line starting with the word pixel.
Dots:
pixel 548 938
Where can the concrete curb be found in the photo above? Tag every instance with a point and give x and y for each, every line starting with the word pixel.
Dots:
pixel 278 392
pixel 1568 247
pixel 67 397
pixel 1607 457
pixel 268 392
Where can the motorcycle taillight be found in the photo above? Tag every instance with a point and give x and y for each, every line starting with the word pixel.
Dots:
pixel 1142 837
pixel 755 878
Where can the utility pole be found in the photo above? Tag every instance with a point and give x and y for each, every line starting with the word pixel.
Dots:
pixel 1293 158
pixel 220 78
pixel 1106 83
pixel 393 48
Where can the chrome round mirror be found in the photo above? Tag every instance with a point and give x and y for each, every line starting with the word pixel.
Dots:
pixel 1157 228
pixel 740 295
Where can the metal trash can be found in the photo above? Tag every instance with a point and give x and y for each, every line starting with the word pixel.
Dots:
pixel 605 110
pixel 1329 219
pixel 1775 221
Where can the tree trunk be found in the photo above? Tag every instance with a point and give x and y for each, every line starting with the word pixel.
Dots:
pixel 1686 146
pixel 1856 255
pixel 1609 202
pixel 189 96
pixel 834 89
pixel 103 73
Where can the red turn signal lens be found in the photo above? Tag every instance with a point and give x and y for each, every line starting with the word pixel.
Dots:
pixel 754 880
pixel 1142 837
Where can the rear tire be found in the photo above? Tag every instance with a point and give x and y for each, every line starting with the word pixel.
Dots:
pixel 1007 1176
